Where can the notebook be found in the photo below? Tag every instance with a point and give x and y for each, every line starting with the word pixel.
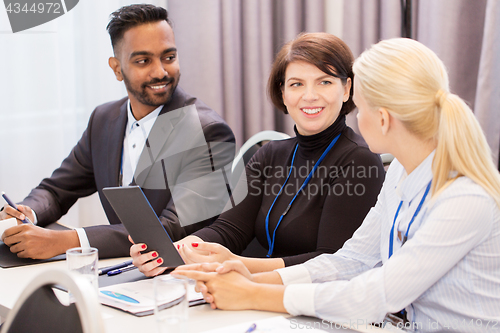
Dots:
pixel 10 260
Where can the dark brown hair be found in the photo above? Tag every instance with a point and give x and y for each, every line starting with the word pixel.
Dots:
pixel 325 51
pixel 131 16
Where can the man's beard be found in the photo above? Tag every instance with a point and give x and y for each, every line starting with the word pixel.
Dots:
pixel 161 98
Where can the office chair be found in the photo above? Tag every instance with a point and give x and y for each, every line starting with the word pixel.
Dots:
pixel 39 310
pixel 386 160
pixel 253 144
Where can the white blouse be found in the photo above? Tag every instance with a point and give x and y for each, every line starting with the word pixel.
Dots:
pixel 447 275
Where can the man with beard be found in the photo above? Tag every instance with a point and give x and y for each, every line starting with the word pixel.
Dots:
pixel 110 153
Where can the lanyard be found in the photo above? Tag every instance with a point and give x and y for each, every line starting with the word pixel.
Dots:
pixel 269 241
pixel 405 238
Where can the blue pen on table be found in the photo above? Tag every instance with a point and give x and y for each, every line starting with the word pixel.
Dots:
pixel 121 270
pixel 13 205
pixel 105 270
pixel 251 328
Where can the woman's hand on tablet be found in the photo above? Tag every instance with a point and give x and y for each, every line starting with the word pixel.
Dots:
pixel 148 263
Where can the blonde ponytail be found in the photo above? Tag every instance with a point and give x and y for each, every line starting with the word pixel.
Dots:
pixel 410 81
pixel 462 149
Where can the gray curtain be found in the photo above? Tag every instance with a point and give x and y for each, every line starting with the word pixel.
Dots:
pixel 464 33
pixel 487 101
pixel 226 48
pixel 368 21
pixel 365 23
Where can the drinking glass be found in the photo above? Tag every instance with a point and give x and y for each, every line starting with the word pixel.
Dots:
pixel 83 260
pixel 171 304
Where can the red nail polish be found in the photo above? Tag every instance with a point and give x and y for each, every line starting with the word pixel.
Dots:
pixel 159 261
pixel 143 246
pixel 155 254
pixel 194 244
pixel 178 246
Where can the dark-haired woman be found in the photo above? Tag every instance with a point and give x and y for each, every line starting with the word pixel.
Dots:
pixel 308 194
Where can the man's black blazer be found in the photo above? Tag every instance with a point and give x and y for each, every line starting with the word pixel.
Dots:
pixel 94 163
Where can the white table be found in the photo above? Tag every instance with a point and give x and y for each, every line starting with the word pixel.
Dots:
pixel 201 318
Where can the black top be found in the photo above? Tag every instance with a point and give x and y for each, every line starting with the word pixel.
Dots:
pixel 322 217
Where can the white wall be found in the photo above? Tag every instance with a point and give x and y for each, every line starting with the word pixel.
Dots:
pixel 51 78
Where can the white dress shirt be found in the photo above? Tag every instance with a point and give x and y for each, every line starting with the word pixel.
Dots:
pixel 136 133
pixel 447 274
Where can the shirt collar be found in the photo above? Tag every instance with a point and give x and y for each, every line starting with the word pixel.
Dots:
pixel 147 121
pixel 412 184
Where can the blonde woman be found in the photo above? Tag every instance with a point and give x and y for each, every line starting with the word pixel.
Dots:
pixel 431 244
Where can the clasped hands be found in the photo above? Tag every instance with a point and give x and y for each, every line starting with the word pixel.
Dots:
pixel 227 286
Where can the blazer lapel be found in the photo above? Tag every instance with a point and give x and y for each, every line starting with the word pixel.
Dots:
pixel 116 132
pixel 157 139
pixel 161 131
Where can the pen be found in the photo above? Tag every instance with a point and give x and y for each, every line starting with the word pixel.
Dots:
pixel 13 205
pixel 251 328
pixel 121 270
pixel 103 271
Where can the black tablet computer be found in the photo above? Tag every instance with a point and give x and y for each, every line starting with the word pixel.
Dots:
pixel 140 220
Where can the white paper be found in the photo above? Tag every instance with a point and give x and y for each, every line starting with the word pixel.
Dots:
pixel 277 324
pixel 138 296
pixel 6 224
